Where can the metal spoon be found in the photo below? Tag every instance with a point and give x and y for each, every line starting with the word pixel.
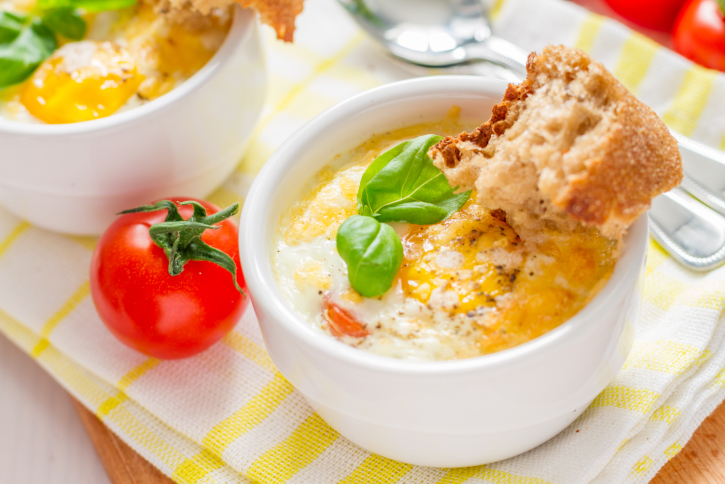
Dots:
pixel 436 33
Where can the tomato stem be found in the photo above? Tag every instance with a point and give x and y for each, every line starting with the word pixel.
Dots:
pixel 721 4
pixel 181 239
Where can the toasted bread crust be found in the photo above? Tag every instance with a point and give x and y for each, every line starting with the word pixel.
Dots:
pixel 279 14
pixel 633 156
pixel 448 149
pixel 642 161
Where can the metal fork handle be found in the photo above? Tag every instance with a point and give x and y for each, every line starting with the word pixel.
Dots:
pixel 704 172
pixel 693 234
pixel 703 194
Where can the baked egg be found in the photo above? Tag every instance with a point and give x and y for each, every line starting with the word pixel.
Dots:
pixel 468 285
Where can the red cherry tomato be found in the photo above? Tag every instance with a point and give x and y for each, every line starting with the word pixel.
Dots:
pixel 651 14
pixel 341 322
pixel 699 33
pixel 161 315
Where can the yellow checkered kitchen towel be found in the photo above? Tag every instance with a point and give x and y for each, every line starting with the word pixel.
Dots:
pixel 227 415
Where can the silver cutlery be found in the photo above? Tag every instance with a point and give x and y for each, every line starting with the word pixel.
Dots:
pixel 692 232
pixel 434 33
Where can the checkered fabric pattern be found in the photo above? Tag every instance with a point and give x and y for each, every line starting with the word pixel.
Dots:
pixel 228 416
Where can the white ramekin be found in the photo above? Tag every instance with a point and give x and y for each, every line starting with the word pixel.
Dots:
pixel 73 178
pixel 443 414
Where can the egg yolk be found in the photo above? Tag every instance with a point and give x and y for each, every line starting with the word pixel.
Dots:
pixel 82 81
pixel 452 255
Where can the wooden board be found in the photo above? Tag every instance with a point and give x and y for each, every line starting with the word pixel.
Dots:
pixel 700 462
pixel 123 465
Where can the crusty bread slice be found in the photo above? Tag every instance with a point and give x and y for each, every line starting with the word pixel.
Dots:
pixel 279 14
pixel 569 145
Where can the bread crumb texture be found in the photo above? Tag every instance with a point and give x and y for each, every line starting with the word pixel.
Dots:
pixel 279 14
pixel 568 146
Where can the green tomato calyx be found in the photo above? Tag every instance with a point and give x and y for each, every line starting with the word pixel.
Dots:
pixel 181 239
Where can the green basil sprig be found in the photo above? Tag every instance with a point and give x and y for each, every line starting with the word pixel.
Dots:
pixel 401 185
pixel 66 21
pixel 88 6
pixel 27 40
pixel 11 24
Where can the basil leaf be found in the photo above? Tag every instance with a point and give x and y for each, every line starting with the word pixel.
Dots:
pixel 11 24
pixel 372 170
pixel 403 185
pixel 93 6
pixel 89 6
pixel 20 57
pixel 423 213
pixel 43 5
pixel 373 254
pixel 65 21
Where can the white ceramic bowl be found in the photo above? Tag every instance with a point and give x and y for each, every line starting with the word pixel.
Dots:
pixel 73 178
pixel 443 414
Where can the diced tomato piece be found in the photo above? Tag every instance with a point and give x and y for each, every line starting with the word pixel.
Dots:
pixel 341 321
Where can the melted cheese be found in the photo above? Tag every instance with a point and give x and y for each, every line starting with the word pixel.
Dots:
pixel 468 286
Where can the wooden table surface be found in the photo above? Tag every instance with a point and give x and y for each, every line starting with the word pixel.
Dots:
pixel 702 461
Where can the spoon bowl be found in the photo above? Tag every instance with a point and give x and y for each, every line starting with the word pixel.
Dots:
pixel 435 33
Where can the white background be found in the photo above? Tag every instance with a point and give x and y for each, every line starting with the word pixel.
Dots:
pixel 42 440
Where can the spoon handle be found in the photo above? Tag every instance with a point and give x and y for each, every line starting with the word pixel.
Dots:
pixel 498 51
